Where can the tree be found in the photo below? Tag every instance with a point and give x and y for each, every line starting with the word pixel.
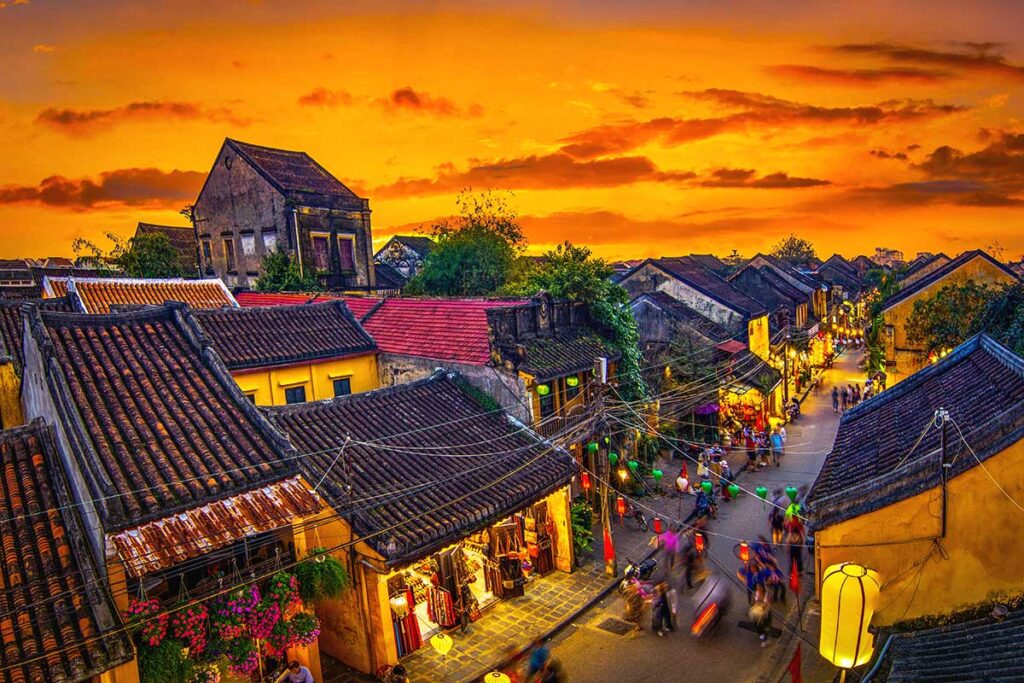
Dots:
pixel 1003 318
pixel 571 272
pixel 280 273
pixel 947 319
pixel 475 252
pixel 794 250
pixel 150 255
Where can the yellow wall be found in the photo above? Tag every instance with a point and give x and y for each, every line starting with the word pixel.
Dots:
pixel 759 338
pixel 819 301
pixel 909 358
pixel 983 556
pixel 269 385
pixel 10 400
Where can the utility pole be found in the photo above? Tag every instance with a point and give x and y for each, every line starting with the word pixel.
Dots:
pixel 603 468
pixel 945 464
pixel 785 372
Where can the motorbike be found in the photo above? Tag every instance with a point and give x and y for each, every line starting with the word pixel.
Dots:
pixel 712 600
pixel 793 410
pixel 635 572
pixel 706 505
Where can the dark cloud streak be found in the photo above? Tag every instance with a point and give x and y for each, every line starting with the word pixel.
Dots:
pixel 134 187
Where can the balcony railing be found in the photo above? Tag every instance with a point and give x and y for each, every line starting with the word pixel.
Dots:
pixel 553 426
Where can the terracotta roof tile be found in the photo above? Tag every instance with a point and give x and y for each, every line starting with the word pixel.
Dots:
pixel 565 352
pixel 406 479
pixel 49 606
pixel 12 328
pixel 697 276
pixel 100 295
pixel 276 335
pixel 941 273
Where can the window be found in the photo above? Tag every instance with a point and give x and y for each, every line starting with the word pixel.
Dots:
pixel 207 256
pixel 252 397
pixel 572 387
pixel 347 253
pixel 229 255
pixel 269 242
pixel 321 252
pixel 342 387
pixel 547 401
pixel 248 244
pixel 295 395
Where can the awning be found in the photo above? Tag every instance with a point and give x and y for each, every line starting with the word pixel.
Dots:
pixel 731 346
pixel 706 409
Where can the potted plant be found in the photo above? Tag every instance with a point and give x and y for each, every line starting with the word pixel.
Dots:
pixel 146 618
pixel 188 623
pixel 321 576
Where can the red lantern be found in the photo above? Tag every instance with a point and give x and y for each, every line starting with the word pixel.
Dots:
pixel 585 481
pixel 698 541
pixel 658 526
pixel 620 506
pixel 744 551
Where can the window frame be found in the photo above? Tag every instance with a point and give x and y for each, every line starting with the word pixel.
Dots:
pixel 230 257
pixel 297 387
pixel 350 240
pixel 334 386
pixel 272 234
pixel 326 237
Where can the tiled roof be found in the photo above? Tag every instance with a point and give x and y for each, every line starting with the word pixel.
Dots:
pixel 297 176
pixel 704 326
pixel 700 278
pixel 387 277
pixel 361 305
pixel 12 328
pixel 921 266
pixel 980 383
pixel 796 278
pixel 941 273
pixel 431 464
pixel 712 263
pixel 974 649
pixel 839 262
pixel 444 329
pixel 158 423
pixel 249 299
pixel 57 623
pixel 168 542
pixel 864 263
pixel 277 335
pixel 99 295
pixel 784 287
pixel 835 274
pixel 565 352
pixel 181 238
pixel 421 244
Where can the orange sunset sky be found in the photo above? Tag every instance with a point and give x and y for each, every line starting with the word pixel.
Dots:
pixel 638 128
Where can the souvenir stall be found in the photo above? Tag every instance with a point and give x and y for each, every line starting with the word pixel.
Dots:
pixel 452 588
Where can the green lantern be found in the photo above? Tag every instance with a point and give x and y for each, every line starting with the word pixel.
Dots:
pixel 572 381
pixel 762 492
pixel 657 474
pixel 707 486
pixel 792 493
pixel 592 447
pixel 792 511
pixel 613 458
pixel 543 390
pixel 632 465
pixel 607 440
pixel 734 490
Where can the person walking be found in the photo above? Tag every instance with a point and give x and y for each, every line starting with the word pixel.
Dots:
pixel 845 398
pixel 795 538
pixel 835 400
pixel 777 519
pixel 540 654
pixel 661 610
pixel 776 441
pixel 761 614
pixel 634 605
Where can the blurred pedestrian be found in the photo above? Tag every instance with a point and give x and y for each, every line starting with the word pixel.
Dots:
pixel 661 610
pixel 835 400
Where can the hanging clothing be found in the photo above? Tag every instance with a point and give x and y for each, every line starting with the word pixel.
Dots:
pixel 441 608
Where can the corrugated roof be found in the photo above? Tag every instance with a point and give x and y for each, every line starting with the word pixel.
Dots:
pixel 100 295
pixel 164 543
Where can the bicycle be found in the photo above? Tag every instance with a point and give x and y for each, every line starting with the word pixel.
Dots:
pixel 636 515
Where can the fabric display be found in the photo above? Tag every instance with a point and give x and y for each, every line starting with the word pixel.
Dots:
pixel 407 629
pixel 441 608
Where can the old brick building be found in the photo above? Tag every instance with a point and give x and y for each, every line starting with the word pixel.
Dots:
pixel 258 199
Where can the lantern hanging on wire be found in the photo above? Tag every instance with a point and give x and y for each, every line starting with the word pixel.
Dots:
pixel 734 491
pixel 698 542
pixel 632 465
pixel 792 492
pixel 592 447
pixel 658 525
pixel 399 605
pixel 543 390
pixel 849 593
pixel 657 474
pixel 743 551
pixel 707 486
pixel 585 480
pixel 497 677
pixel 620 506
pixel 442 644
pixel 613 458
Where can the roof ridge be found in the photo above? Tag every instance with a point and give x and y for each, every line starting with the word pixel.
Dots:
pixel 944 270
pixel 439 374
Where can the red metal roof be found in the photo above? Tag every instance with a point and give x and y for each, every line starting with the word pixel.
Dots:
pixel 248 299
pixel 360 305
pixel 731 346
pixel 169 541
pixel 443 329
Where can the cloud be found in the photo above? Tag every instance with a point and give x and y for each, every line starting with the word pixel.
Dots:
pixel 126 187
pixel 742 177
pixel 859 77
pixel 885 154
pixel 85 121
pixel 956 192
pixel 322 97
pixel 977 58
pixel 633 98
pixel 43 47
pixel 408 100
pixel 749 111
pixel 535 172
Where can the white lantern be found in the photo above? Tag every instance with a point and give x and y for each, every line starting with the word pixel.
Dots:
pixel 399 605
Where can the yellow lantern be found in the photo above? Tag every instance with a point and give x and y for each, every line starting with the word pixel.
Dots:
pixel 442 644
pixel 849 594
pixel 497 677
pixel 399 605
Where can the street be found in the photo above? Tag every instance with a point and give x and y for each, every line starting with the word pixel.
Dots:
pixel 731 653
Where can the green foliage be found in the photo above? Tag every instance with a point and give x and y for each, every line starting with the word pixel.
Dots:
pixel 149 255
pixel 321 576
pixel 475 252
pixel 690 362
pixel 280 273
pixel 572 272
pixel 874 339
pixel 165 663
pixel 947 319
pixel 885 283
pixel 581 515
pixel 1003 318
pixel 482 398
pixel 794 250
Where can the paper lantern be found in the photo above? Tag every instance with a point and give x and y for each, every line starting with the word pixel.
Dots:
pixel 707 486
pixel 399 605
pixel 573 381
pixel 744 551
pixel 658 525
pixel 657 474
pixel 442 644
pixel 683 484
pixel 632 465
pixel 623 474
pixel 613 458
pixel 620 505
pixel 762 492
pixel 792 510
pixel 497 677
pixel 792 493
pixel 592 447
pixel 585 480
pixel 849 594
pixel 734 490
pixel 607 439
pixel 543 390
pixel 698 542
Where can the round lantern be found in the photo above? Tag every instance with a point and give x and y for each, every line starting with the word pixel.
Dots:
pixel 849 594
pixel 632 465
pixel 623 474
pixel 399 605
pixel 658 525
pixel 573 381
pixel 592 447
pixel 743 551
pixel 543 390
pixel 585 480
pixel 657 474
pixel 497 677
pixel 707 486
pixel 607 439
pixel 442 644
pixel 613 458
pixel 620 505
pixel 792 510
pixel 683 484
pixel 698 542
pixel 734 490
pixel 792 493
pixel 762 492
